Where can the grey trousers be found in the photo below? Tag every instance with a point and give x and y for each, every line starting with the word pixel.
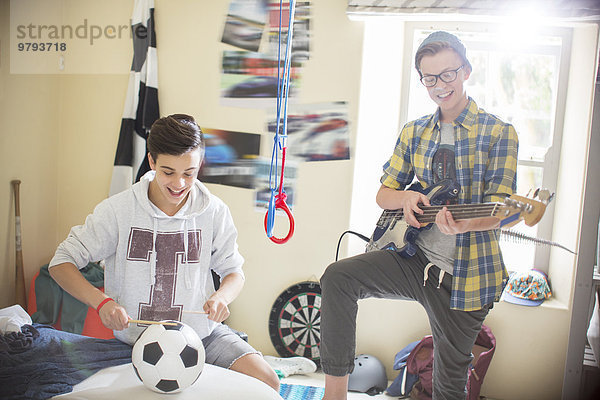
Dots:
pixel 385 274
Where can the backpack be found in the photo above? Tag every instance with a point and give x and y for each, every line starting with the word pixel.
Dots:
pixel 416 368
pixel 420 363
pixel 483 351
pixel 403 384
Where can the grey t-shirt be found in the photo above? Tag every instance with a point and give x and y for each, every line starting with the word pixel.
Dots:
pixel 438 247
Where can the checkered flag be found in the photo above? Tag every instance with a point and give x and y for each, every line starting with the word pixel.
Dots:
pixel 141 105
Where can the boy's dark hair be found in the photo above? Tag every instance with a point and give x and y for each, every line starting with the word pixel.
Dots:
pixel 175 135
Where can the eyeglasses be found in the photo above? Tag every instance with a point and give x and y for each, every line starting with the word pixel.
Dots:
pixel 446 76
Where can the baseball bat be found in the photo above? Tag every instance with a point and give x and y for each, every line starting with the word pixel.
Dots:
pixel 19 273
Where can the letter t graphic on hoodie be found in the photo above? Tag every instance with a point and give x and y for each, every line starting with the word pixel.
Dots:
pixel 170 255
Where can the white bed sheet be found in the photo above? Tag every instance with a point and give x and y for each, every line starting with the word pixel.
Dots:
pixel 215 383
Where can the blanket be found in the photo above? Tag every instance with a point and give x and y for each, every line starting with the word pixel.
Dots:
pixel 41 362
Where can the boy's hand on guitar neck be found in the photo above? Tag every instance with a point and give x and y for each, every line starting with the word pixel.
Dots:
pixel 410 203
pixel 406 200
pixel 446 223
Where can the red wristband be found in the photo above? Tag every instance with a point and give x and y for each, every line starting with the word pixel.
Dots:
pixel 102 303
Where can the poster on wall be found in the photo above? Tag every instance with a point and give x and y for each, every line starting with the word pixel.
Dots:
pixel 249 76
pixel 316 132
pixel 229 157
pixel 262 185
pixel 245 23
pixel 300 34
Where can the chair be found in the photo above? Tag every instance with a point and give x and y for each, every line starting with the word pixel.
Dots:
pixel 92 325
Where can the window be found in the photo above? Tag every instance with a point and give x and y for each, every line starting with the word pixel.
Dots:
pixel 516 77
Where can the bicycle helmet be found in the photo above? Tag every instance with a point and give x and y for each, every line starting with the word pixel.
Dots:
pixel 368 376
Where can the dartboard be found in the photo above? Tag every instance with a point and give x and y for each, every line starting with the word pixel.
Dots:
pixel 295 321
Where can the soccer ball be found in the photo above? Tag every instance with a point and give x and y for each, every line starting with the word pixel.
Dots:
pixel 168 358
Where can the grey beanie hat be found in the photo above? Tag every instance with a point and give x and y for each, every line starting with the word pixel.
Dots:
pixel 450 40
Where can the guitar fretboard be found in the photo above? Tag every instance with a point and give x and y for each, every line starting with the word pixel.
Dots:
pixel 459 212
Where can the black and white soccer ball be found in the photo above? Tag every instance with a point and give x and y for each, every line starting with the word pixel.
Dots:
pixel 167 358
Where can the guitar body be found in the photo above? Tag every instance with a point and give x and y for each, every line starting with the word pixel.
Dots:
pixel 393 233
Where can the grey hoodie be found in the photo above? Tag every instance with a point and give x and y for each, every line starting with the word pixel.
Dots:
pixel 157 265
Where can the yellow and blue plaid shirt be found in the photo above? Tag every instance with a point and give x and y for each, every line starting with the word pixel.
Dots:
pixel 486 168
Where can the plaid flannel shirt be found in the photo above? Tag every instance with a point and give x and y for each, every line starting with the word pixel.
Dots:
pixel 486 168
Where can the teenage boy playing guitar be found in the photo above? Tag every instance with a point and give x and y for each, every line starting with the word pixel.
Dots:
pixel 460 259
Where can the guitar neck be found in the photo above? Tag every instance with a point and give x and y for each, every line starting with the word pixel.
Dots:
pixel 459 212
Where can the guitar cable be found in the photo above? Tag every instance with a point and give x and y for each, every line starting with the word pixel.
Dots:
pixel 337 251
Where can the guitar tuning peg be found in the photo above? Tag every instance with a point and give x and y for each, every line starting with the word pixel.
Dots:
pixel 527 195
pixel 545 195
pixel 551 197
pixel 535 194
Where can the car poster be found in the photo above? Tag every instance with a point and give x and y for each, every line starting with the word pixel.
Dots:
pixel 245 23
pixel 250 56
pixel 316 132
pixel 263 188
pixel 229 157
pixel 252 76
pixel 300 34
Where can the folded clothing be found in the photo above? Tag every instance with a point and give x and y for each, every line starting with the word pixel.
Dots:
pixel 18 342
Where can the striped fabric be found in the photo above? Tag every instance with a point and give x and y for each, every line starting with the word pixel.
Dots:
pixel 486 168
pixel 141 105
pixel 300 392
pixel 569 9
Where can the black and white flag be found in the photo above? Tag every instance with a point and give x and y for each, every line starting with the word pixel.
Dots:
pixel 141 105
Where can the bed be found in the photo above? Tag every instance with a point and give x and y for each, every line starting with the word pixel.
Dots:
pixel 120 382
pixel 41 362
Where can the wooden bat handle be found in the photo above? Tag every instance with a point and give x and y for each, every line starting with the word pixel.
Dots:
pixel 16 184
pixel 20 297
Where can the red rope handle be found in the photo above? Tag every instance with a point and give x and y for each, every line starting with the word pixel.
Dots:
pixel 280 203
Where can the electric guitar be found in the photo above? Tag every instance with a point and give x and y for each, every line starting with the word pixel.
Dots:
pixel 392 232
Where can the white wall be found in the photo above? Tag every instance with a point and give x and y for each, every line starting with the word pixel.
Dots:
pixel 29 118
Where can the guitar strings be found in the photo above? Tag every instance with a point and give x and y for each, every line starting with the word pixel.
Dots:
pixel 460 214
pixel 459 211
pixel 456 207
